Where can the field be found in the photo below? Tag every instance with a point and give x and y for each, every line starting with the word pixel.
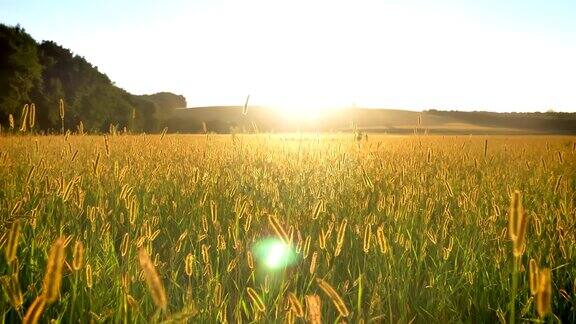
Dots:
pixel 251 228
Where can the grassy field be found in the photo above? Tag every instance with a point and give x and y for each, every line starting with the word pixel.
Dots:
pixel 270 228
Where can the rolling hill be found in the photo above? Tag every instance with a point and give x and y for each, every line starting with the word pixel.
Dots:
pixel 224 119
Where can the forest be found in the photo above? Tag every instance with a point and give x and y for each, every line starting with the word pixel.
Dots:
pixel 43 73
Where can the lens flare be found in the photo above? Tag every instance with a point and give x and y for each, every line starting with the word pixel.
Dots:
pixel 274 254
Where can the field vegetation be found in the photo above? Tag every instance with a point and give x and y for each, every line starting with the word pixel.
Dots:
pixel 380 228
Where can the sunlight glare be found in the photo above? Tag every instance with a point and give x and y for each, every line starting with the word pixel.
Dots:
pixel 274 254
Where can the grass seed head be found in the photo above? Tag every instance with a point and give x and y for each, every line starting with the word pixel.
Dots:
pixel 53 274
pixel 152 279
pixel 89 277
pixel 513 215
pixel 334 297
pixel 12 241
pixel 521 234
pixel 78 256
pixel 533 276
pixel 367 238
pixel 544 294
pixel 35 311
pixel 255 299
pixel 278 229
pixel 295 305
pixel 11 287
pixel 313 309
pixel 189 264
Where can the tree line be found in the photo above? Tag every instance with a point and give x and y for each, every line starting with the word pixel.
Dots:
pixel 47 74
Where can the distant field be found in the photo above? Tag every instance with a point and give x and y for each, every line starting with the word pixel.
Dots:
pixel 274 228
pixel 391 121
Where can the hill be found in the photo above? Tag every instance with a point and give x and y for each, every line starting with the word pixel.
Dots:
pixel 224 119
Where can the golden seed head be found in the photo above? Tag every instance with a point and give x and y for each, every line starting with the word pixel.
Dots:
pixel 53 274
pixel 23 118
pixel 12 241
pixel 382 242
pixel 32 118
pixel 313 309
pixel 257 302
pixel 61 108
pixel 189 264
pixel 124 245
pixel 317 209
pixel 306 248
pixel 322 239
pixel 205 255
pixel 278 229
pixel 521 234
pixel 250 260
pixel 89 279
pixel 213 211
pixel 513 215
pixel 78 256
pixel 313 262
pixel 152 279
pixel 533 276
pixel 11 286
pixel 334 297
pixel 367 238
pixel 217 294
pixel 35 311
pixel 544 294
pixel 295 305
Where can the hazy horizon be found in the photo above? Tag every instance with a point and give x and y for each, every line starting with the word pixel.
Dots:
pixel 449 55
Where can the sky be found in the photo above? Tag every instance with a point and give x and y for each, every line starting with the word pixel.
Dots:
pixel 517 55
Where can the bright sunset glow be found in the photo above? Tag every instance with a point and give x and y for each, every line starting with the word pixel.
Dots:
pixel 513 56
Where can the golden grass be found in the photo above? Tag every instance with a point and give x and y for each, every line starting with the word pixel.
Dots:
pixel 415 228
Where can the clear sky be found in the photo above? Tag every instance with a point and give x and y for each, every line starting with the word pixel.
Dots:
pixel 472 55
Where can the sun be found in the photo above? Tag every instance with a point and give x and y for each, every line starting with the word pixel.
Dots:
pixel 305 110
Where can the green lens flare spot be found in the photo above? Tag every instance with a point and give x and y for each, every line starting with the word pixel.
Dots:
pixel 274 254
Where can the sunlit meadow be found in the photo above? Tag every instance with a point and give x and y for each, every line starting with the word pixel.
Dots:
pixel 287 228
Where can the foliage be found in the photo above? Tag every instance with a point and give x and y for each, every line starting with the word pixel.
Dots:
pixel 20 69
pixel 45 73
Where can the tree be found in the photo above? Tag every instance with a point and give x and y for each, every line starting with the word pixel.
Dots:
pixel 47 72
pixel 20 69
